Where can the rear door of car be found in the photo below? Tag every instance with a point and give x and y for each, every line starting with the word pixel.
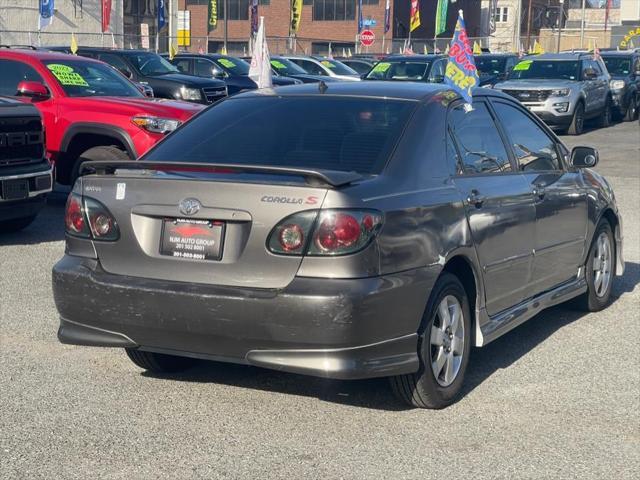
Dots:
pixel 560 201
pixel 498 203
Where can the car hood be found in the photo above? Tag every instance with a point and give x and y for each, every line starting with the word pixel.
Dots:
pixel 187 80
pixel 157 107
pixel 535 84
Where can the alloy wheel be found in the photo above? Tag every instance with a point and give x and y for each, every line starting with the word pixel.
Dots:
pixel 447 341
pixel 602 262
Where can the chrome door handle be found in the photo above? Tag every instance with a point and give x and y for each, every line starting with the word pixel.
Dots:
pixel 474 198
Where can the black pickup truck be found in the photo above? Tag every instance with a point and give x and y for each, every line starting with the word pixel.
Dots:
pixel 25 175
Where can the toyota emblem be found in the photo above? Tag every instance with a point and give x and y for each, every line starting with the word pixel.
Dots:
pixel 189 206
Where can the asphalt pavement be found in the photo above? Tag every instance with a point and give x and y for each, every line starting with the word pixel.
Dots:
pixel 558 397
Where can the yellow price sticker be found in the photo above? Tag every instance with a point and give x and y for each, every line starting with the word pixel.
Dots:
pixel 523 66
pixel 225 62
pixel 381 67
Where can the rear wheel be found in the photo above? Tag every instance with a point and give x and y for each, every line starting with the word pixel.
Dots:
pixel 632 110
pixel 101 153
pixel 577 122
pixel 600 269
pixel 445 344
pixel 16 224
pixel 159 362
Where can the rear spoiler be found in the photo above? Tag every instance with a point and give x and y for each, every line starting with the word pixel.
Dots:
pixel 328 178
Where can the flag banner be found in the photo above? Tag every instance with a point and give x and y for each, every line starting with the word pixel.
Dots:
pixel 45 17
pixel 414 15
pixel 441 16
pixel 387 16
pixel 296 15
pixel 254 17
pixel 260 69
pixel 461 71
pixel 106 15
pixel 212 15
pixel 360 17
pixel 73 47
pixel 162 19
pixel 173 51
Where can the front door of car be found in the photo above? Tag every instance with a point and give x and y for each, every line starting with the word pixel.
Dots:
pixel 560 201
pixel 602 83
pixel 498 204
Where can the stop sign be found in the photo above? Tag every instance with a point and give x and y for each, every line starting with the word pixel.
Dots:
pixel 366 38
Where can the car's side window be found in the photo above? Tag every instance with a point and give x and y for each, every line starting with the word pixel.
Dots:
pixel 437 72
pixel 114 61
pixel 596 66
pixel 312 68
pixel 479 142
pixel 14 72
pixel 203 68
pixel 534 150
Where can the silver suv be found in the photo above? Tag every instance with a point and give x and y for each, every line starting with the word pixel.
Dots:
pixel 563 89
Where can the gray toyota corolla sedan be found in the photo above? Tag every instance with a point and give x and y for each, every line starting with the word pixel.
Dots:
pixel 349 230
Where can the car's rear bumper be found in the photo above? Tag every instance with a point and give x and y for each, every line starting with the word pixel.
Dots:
pixel 348 329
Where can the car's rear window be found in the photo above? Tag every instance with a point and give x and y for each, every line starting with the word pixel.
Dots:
pixel 323 132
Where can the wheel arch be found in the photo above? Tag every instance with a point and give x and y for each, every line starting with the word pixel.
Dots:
pixel 612 217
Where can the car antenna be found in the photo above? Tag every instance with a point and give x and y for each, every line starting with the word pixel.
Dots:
pixel 322 86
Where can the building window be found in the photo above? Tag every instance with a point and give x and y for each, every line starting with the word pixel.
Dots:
pixel 502 15
pixel 330 10
pixel 238 9
pixel 370 2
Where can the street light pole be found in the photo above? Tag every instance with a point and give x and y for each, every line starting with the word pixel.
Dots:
pixel 226 26
pixel 560 18
pixel 529 27
pixel 584 16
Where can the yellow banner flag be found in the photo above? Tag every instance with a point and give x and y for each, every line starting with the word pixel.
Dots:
pixel 74 44
pixel 537 48
pixel 296 15
pixel 476 48
pixel 173 51
pixel 414 15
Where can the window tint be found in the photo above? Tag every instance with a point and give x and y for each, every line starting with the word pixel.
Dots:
pixel 203 68
pixel 114 61
pixel 310 67
pixel 596 66
pixel 533 148
pixel 13 73
pixel 309 132
pixel 437 72
pixel 478 140
pixel 407 70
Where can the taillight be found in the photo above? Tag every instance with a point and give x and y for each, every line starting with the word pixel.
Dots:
pixel 325 232
pixel 86 217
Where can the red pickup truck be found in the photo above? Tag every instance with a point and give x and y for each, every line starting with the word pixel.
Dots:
pixel 90 111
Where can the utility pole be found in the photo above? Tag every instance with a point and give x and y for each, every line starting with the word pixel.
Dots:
pixel 560 18
pixel 584 17
pixel 226 26
pixel 529 26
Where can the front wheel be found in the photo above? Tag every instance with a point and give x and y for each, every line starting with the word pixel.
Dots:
pixel 577 122
pixel 159 362
pixel 606 119
pixel 100 153
pixel 600 269
pixel 444 348
pixel 632 110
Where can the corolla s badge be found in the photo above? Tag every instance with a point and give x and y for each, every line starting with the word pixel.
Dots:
pixel 189 206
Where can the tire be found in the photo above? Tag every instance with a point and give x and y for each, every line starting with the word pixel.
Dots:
pixel 606 118
pixel 577 122
pixel 159 362
pixel 16 224
pixel 104 153
pixel 632 110
pixel 598 295
pixel 425 388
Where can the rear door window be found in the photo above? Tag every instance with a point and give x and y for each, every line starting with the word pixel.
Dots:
pixel 335 133
pixel 183 65
pixel 533 148
pixel 480 145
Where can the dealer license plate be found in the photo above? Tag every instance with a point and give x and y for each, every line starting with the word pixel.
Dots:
pixel 192 239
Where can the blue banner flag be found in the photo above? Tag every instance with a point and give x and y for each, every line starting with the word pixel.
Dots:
pixel 45 17
pixel 360 17
pixel 461 71
pixel 162 19
pixel 387 17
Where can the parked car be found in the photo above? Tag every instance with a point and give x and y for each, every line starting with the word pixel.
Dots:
pixel 286 68
pixel 90 111
pixel 564 89
pixel 410 68
pixel 232 70
pixel 324 67
pixel 351 246
pixel 494 67
pixel 624 68
pixel 150 68
pixel 25 173
pixel 360 65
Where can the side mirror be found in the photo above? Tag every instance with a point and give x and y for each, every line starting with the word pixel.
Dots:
pixel 218 73
pixel 35 90
pixel 584 157
pixel 126 72
pixel 590 74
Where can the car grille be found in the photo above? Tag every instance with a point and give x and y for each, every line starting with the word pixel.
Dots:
pixel 529 95
pixel 213 94
pixel 21 141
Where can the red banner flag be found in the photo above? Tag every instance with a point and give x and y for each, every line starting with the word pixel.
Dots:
pixel 106 15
